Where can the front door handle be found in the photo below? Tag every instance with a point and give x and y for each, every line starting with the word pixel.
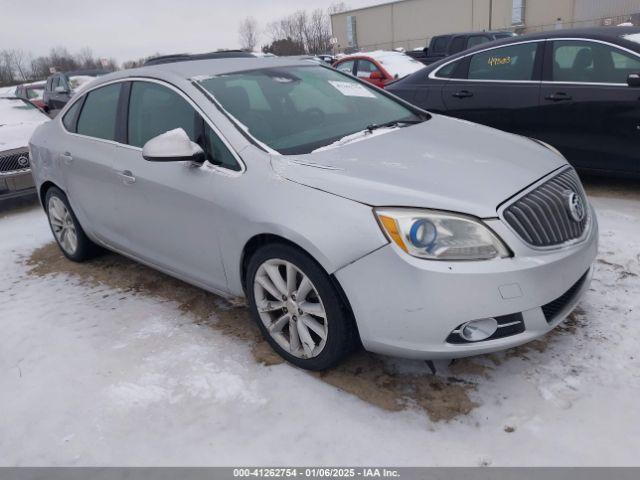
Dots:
pixel 462 94
pixel 66 158
pixel 558 97
pixel 127 177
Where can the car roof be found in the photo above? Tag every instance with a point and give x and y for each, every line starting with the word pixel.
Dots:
pixel 89 72
pixel 612 34
pixel 185 57
pixel 480 32
pixel 196 69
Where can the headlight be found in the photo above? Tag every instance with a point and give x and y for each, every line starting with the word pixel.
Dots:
pixel 440 235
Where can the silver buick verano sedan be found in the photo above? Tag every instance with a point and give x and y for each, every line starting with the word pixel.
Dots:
pixel 343 214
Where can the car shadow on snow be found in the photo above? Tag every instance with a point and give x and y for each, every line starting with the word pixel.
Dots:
pixel 393 385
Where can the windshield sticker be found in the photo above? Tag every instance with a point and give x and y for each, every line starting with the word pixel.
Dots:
pixel 351 89
pixel 494 61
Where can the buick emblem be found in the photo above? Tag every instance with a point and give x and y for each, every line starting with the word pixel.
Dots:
pixel 23 161
pixel 576 206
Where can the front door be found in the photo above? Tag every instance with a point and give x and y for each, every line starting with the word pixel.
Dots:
pixel 170 210
pixel 590 113
pixel 500 88
pixel 368 71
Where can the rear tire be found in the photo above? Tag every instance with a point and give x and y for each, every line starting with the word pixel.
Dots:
pixel 66 229
pixel 301 314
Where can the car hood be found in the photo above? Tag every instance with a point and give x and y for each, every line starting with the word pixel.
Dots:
pixel 17 135
pixel 442 163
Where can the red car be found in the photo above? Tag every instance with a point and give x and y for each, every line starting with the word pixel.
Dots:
pixel 32 92
pixel 379 67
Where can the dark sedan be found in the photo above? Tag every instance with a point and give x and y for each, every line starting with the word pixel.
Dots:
pixel 578 90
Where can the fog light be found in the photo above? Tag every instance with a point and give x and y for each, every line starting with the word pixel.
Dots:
pixel 477 330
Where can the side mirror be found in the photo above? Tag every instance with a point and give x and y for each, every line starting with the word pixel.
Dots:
pixel 61 89
pixel 633 80
pixel 172 146
pixel 376 76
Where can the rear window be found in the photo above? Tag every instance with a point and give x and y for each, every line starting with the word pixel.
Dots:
pixel 457 45
pixel 512 62
pixel 98 116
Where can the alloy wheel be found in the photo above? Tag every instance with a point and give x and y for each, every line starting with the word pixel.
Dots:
pixel 290 308
pixel 62 225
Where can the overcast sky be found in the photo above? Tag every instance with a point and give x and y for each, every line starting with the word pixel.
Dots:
pixel 130 29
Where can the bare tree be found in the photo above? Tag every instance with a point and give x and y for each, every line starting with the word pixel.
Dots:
pixel 319 32
pixel 337 7
pixel 85 58
pixel 20 64
pixel 7 75
pixel 248 32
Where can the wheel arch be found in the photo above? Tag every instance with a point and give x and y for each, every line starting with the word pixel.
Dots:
pixel 260 240
pixel 44 188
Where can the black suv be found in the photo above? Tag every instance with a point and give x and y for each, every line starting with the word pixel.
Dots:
pixel 61 86
pixel 442 46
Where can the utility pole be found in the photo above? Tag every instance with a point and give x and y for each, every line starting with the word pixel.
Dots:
pixel 490 12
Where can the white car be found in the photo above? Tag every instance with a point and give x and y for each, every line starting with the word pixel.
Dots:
pixel 18 120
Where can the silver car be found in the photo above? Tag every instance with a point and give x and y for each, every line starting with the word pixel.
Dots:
pixel 343 214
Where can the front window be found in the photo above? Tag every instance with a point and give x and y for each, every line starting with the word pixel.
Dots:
pixel 295 110
pixel 155 109
pixel 366 68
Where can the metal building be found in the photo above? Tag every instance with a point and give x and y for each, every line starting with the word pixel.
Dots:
pixel 411 23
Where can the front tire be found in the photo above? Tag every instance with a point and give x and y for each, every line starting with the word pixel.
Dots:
pixel 298 308
pixel 66 229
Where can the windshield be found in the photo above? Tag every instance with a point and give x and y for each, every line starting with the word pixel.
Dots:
pixel 35 92
pixel 295 110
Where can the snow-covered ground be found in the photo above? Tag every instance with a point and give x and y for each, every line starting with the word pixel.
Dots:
pixel 110 363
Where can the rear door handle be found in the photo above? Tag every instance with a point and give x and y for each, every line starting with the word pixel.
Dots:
pixel 462 94
pixel 558 97
pixel 127 177
pixel 66 158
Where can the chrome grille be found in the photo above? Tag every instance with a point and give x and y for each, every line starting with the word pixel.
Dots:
pixel 13 161
pixel 543 216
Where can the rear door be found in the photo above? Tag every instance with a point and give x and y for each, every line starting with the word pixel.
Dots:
pixel 500 88
pixel 590 113
pixel 87 156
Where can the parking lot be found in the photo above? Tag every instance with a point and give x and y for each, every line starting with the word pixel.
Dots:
pixel 109 362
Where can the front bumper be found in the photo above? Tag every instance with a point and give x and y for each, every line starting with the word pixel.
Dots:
pixel 16 184
pixel 408 307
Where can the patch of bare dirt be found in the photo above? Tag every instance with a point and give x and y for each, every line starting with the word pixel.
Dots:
pixel 369 378
pixel 625 188
pixel 364 375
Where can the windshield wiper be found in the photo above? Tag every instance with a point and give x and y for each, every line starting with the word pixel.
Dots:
pixel 393 123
